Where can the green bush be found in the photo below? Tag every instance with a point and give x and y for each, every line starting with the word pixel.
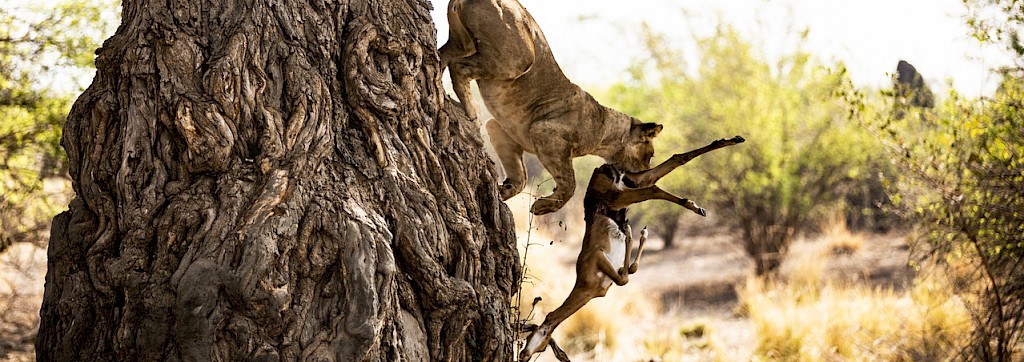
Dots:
pixel 40 46
pixel 802 154
pixel 963 185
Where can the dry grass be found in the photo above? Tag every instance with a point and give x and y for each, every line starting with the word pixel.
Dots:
pixel 808 318
pixel 685 341
pixel 805 271
pixel 841 241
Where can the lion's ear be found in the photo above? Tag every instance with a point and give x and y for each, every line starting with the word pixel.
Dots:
pixel 649 130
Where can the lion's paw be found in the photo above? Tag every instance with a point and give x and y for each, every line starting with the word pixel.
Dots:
pixel 546 206
pixel 507 191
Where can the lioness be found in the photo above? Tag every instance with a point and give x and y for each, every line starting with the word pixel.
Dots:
pixel 536 108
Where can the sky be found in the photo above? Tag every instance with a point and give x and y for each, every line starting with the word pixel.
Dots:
pixel 595 41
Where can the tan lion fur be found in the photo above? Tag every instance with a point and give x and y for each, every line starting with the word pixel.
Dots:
pixel 536 108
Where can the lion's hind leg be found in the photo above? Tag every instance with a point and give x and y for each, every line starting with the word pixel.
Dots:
pixel 510 154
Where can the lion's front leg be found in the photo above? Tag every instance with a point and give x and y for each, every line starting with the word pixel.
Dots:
pixel 555 156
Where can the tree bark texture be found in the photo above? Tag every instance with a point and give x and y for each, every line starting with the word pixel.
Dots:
pixel 263 180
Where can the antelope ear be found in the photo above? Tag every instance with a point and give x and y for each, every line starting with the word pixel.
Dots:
pixel 649 130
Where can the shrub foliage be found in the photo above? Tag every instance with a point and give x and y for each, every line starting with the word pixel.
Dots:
pixel 803 155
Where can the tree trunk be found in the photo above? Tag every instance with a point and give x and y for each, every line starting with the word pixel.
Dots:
pixel 670 223
pixel 261 181
pixel 767 245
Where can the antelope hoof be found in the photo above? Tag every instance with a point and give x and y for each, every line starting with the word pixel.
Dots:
pixel 689 204
pixel 633 268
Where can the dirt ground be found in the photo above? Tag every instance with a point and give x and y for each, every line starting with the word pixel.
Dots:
pixel 697 280
pixel 22 273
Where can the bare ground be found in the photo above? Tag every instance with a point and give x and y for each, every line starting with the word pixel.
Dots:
pixel 22 273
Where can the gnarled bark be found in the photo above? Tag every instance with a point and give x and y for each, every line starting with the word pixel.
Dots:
pixel 261 180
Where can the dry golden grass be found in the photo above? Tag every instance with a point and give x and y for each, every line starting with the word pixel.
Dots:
pixel 694 340
pixel 841 241
pixel 805 272
pixel 810 319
